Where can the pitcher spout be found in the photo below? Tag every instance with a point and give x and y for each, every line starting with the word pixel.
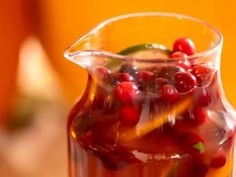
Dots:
pixel 89 52
pixel 81 52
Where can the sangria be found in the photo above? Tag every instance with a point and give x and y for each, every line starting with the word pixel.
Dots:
pixel 153 104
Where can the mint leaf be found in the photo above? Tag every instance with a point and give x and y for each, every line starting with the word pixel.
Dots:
pixel 200 146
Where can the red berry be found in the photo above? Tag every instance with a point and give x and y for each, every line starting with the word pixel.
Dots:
pixel 181 126
pixel 125 91
pixel 86 139
pixel 230 140
pixel 204 98
pixel 199 116
pixel 145 77
pixel 112 162
pixel 184 45
pixel 184 81
pixel 182 59
pixel 115 158
pixel 160 82
pixel 155 69
pixel 123 77
pixel 128 68
pixel 190 167
pixel 102 73
pixel 192 143
pixel 184 64
pixel 199 170
pixel 129 115
pixel 178 55
pixel 196 117
pixel 109 158
pixel 169 93
pixel 203 74
pixel 168 72
pixel 218 160
pixel 190 138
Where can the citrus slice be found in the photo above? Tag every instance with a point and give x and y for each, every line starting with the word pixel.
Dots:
pixel 151 51
pixel 157 122
pixel 147 51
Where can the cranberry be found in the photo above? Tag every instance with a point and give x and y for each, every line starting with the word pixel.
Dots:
pixel 184 81
pixel 230 140
pixel 102 73
pixel 86 139
pixel 218 160
pixel 192 143
pixel 159 82
pixel 191 168
pixel 203 74
pixel 129 115
pixel 204 98
pixel 125 91
pixel 155 69
pixel 167 72
pixel 199 115
pixel 182 59
pixel 178 55
pixel 184 45
pixel 114 158
pixel 109 158
pixel 182 125
pixel 190 138
pixel 145 78
pixel 169 93
pixel 196 117
pixel 112 162
pixel 184 64
pixel 128 68
pixel 123 77
pixel 199 169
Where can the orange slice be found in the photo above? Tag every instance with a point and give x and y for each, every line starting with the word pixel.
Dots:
pixel 157 122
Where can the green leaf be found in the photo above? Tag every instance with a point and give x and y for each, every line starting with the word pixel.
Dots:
pixel 200 146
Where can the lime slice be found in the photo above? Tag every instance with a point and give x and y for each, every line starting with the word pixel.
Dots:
pixel 142 51
pixel 147 51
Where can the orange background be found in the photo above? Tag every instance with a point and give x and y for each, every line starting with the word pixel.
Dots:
pixel 59 23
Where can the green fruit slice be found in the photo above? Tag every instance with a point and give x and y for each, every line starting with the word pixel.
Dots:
pixel 142 51
pixel 147 51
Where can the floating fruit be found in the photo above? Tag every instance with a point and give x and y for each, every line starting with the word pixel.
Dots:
pixel 184 45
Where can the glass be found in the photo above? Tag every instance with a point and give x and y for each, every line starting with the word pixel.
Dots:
pixel 137 123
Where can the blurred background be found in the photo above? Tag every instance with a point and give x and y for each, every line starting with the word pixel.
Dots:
pixel 38 86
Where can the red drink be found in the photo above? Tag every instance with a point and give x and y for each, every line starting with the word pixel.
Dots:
pixel 163 116
pixel 195 141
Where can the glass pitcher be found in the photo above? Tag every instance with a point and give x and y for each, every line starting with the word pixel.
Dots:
pixel 154 104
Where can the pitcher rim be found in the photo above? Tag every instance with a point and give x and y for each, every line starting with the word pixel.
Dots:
pixel 103 53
